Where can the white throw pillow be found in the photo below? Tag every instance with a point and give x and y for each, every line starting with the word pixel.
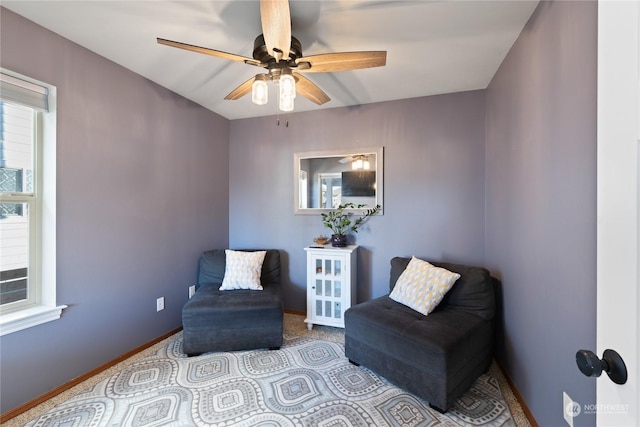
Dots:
pixel 421 286
pixel 242 270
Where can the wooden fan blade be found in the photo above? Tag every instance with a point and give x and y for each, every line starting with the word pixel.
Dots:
pixel 241 90
pixel 212 52
pixel 341 61
pixel 310 90
pixel 276 27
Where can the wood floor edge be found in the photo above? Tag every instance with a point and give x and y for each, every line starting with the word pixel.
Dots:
pixel 66 386
pixel 518 396
pixel 298 312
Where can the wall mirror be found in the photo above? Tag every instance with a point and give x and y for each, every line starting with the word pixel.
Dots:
pixel 325 179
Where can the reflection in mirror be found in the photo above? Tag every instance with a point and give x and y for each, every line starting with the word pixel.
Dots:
pixel 324 180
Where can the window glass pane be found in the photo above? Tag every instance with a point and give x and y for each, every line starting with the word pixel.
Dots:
pixel 11 209
pixel 14 252
pixel 16 148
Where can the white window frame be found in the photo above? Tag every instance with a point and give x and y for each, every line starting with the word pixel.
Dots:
pixel 42 307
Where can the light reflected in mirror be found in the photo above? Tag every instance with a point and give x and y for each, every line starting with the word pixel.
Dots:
pixel 323 180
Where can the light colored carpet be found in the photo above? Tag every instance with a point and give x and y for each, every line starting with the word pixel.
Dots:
pixel 341 393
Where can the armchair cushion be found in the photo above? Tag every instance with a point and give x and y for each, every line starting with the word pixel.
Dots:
pixel 211 267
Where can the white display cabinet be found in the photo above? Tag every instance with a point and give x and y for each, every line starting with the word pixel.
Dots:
pixel 331 284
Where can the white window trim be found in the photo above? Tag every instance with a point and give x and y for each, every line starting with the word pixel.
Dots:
pixel 46 309
pixel 29 317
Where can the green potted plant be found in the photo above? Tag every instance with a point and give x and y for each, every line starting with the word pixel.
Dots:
pixel 342 223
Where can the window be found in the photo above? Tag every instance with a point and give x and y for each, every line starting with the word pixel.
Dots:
pixel 27 203
pixel 330 190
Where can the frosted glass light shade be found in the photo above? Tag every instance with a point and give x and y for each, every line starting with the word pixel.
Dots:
pixel 259 91
pixel 287 86
pixel 286 103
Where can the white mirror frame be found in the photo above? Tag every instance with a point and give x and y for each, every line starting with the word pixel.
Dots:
pixel 297 157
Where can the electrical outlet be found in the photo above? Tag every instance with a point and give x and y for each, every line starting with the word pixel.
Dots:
pixel 192 290
pixel 160 304
pixel 570 409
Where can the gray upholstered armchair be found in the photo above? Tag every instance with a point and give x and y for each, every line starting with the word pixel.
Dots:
pixel 227 320
pixel 438 356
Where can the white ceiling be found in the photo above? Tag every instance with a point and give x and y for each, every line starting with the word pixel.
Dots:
pixel 433 47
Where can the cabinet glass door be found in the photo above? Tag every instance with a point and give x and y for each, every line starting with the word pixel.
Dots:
pixel 328 287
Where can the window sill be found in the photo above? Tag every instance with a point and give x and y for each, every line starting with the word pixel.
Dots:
pixel 23 319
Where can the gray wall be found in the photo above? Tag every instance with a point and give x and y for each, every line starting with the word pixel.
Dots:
pixel 142 190
pixel 434 184
pixel 541 205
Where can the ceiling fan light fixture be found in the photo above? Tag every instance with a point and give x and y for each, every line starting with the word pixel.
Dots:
pixel 360 162
pixel 287 85
pixel 287 91
pixel 260 90
pixel 286 103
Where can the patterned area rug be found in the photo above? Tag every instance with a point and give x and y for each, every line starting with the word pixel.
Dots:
pixel 308 382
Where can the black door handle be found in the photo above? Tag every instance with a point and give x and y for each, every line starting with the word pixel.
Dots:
pixel 590 365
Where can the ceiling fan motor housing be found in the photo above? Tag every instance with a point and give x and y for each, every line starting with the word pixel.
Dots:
pixel 260 52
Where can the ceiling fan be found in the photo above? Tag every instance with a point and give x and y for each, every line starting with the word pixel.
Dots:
pixel 280 54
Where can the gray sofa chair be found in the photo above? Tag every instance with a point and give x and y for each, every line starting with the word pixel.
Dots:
pixel 215 320
pixel 436 357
